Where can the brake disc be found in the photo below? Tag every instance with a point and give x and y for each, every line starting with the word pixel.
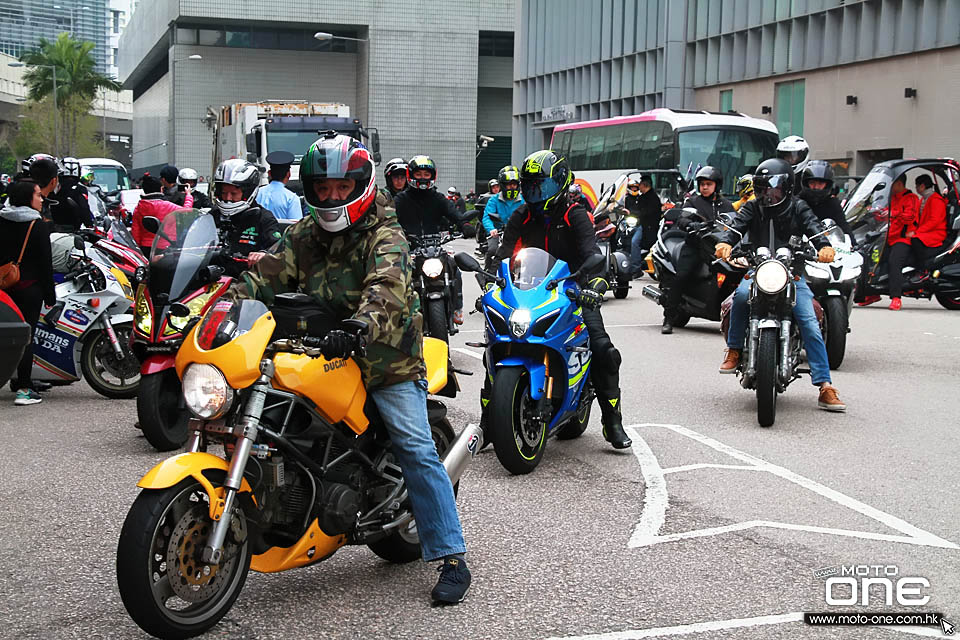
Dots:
pixel 192 579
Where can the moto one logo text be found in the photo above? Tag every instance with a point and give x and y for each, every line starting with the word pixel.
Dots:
pixel 859 578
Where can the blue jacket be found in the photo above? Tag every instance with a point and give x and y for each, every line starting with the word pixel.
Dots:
pixel 501 207
pixel 283 203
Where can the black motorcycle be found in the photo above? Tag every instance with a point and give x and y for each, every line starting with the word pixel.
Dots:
pixel 616 269
pixel 714 281
pixel 433 281
pixel 770 360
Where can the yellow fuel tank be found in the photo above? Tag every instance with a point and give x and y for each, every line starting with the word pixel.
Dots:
pixel 335 386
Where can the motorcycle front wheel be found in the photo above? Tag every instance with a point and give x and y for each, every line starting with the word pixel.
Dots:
pixel 163 421
pixel 835 308
pixel 164 585
pixel 111 377
pixel 766 381
pixel 519 437
pixel 436 318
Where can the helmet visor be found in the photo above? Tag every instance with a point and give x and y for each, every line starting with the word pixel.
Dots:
pixel 772 190
pixel 794 157
pixel 536 190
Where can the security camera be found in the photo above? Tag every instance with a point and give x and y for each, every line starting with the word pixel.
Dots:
pixel 486 139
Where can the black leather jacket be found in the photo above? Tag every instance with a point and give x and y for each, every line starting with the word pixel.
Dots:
pixel 796 219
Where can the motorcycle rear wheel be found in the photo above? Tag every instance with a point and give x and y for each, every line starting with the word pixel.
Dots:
pixel 167 590
pixel 97 350
pixel 836 335
pixel 163 422
pixel 948 301
pixel 436 318
pixel 766 381
pixel 518 439
pixel 403 545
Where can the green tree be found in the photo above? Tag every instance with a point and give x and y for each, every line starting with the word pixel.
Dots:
pixel 36 130
pixel 77 85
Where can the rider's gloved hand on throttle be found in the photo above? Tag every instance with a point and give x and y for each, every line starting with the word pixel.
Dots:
pixel 723 250
pixel 826 254
pixel 591 297
pixel 340 344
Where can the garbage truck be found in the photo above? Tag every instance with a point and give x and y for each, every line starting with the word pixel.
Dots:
pixel 251 130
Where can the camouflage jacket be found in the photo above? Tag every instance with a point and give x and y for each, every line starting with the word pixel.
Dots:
pixel 363 273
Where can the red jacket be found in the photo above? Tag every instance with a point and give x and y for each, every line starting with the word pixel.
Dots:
pixel 932 229
pixel 154 205
pixel 904 211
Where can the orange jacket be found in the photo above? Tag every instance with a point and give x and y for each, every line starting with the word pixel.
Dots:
pixel 904 211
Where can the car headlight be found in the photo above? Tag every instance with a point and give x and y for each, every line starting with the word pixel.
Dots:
pixel 519 322
pixel 432 267
pixel 631 222
pixel 771 277
pixel 206 392
pixel 141 312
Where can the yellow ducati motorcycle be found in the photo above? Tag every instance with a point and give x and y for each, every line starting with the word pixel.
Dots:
pixel 307 468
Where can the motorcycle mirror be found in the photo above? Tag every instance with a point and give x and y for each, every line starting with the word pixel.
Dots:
pixel 179 310
pixel 213 272
pixel 151 224
pixel 880 186
pixel 466 262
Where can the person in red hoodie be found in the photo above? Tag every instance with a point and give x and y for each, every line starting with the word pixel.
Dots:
pixel 904 211
pixel 153 204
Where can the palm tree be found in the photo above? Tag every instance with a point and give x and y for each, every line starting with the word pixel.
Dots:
pixel 77 81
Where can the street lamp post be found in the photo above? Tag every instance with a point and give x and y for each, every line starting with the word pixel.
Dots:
pixel 56 111
pixel 323 36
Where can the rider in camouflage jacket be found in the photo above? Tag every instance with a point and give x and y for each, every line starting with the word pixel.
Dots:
pixel 362 273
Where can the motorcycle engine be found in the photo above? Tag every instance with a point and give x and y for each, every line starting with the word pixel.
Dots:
pixel 341 507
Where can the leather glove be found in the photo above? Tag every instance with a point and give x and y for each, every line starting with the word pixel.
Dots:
pixel 826 254
pixel 723 250
pixel 590 298
pixel 339 344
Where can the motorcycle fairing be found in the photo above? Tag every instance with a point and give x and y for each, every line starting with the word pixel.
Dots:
pixel 157 363
pixel 334 386
pixel 436 354
pixel 313 546
pixel 243 352
pixel 537 371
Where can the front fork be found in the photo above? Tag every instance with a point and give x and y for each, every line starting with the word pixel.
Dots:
pixel 246 430
pixel 112 337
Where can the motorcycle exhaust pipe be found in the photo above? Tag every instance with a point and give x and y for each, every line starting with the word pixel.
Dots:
pixel 459 454
pixel 652 292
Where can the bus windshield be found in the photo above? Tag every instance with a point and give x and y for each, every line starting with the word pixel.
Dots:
pixel 733 151
pixel 107 177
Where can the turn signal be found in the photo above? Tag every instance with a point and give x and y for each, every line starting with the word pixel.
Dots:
pixel 94 302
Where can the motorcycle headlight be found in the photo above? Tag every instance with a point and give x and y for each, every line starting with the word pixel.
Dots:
pixel 206 392
pixel 771 277
pixel 176 324
pixel 631 222
pixel 432 267
pixel 141 313
pixel 519 322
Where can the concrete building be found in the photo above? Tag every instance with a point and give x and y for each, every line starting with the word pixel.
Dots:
pixel 428 76
pixel 24 22
pixel 862 81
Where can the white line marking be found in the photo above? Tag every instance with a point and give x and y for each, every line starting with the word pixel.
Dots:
pixel 687 629
pixel 646 535
pixel 468 352
pixel 656 324
pixel 707 465
pixel 655 499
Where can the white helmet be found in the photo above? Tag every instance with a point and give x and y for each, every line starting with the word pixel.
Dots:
pixel 70 167
pixel 188 175
pixel 238 173
pixel 794 150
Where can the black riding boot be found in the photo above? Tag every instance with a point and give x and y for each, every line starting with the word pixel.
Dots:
pixel 612 421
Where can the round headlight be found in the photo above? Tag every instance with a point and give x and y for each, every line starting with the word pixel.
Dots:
pixel 519 322
pixel 432 267
pixel 631 222
pixel 206 392
pixel 771 277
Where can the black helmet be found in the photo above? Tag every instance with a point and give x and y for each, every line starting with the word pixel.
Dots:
pixel 817 170
pixel 543 177
pixel 773 185
pixel 396 165
pixel 509 174
pixel 239 173
pixel 416 164
pixel 709 173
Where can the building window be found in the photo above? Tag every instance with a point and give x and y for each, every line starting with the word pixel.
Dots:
pixel 265 38
pixel 115 15
pixel 496 43
pixel 116 57
pixel 726 100
pixel 789 107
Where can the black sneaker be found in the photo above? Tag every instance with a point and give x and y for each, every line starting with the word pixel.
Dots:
pixel 454 581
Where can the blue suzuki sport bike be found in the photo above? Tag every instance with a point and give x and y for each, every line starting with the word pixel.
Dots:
pixel 537 355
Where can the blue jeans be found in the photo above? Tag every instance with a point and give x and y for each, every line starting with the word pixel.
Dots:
pixel 403 408
pixel 803 314
pixel 636 251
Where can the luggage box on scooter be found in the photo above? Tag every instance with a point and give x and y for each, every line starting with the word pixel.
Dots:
pixel 297 314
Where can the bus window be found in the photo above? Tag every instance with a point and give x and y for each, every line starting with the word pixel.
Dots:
pixel 729 150
pixel 612 144
pixel 578 149
pixel 641 144
pixel 594 149
pixel 561 142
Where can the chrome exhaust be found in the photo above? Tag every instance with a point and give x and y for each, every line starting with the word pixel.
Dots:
pixel 652 292
pixel 459 454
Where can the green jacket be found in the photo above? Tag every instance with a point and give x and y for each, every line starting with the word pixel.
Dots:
pixel 362 273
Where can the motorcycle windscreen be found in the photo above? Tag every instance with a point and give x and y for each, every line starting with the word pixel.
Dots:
pixel 530 267
pixel 185 244
pixel 227 320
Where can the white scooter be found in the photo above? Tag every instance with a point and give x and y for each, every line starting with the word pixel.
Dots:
pixel 87 332
pixel 833 285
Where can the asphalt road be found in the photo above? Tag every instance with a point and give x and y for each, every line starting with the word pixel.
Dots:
pixel 709 527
